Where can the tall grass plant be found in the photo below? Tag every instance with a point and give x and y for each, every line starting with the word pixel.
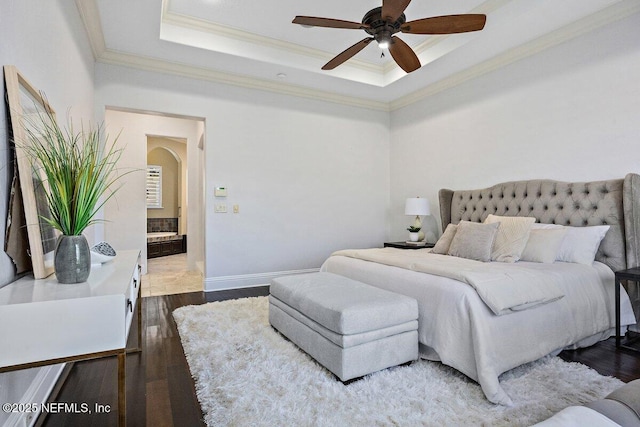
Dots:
pixel 79 166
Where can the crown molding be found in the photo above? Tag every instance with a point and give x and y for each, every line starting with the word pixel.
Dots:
pixel 166 67
pixel 90 16
pixel 596 20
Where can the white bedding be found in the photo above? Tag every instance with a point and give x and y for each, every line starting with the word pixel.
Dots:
pixel 457 327
pixel 504 287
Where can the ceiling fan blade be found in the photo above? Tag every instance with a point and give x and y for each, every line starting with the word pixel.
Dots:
pixel 392 9
pixel 313 21
pixel 449 24
pixel 347 54
pixel 404 56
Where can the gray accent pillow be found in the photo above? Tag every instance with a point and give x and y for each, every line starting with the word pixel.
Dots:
pixel 444 242
pixel 474 240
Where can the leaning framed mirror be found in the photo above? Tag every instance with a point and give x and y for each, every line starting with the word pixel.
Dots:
pixel 25 101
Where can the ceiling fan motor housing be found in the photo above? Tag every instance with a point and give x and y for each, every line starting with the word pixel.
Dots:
pixel 379 28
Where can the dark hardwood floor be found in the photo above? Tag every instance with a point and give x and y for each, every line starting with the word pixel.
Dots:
pixel 160 390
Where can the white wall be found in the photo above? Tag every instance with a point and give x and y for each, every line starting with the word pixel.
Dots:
pixel 570 113
pixel 34 37
pixel 126 212
pixel 309 177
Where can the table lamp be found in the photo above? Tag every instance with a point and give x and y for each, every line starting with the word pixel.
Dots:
pixel 417 206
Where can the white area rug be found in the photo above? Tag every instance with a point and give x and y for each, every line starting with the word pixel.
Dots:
pixel 246 374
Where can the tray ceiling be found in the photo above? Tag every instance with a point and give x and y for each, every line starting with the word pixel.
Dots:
pixel 254 43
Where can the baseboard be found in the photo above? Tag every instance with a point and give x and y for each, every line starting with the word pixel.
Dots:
pixel 38 392
pixel 222 283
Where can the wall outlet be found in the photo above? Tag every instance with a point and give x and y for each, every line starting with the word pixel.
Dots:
pixel 221 208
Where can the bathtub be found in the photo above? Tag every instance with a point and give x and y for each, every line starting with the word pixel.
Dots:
pixel 165 243
pixel 161 234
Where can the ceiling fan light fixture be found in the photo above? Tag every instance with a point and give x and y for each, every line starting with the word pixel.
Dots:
pixel 384 39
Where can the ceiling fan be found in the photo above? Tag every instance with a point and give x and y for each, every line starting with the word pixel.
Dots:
pixel 383 22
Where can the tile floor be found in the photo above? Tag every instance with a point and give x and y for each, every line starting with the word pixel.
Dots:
pixel 168 275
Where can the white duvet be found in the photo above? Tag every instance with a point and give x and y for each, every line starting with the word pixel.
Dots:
pixel 505 288
pixel 458 328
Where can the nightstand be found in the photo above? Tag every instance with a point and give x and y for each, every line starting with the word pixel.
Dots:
pixel 405 245
pixel 622 276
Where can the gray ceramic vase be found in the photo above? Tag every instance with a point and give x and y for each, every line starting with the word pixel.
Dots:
pixel 72 259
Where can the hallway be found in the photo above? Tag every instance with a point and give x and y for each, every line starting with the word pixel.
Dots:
pixel 168 275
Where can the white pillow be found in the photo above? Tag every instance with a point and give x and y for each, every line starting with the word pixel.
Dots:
pixel 543 244
pixel 580 244
pixel 444 242
pixel 511 238
pixel 539 226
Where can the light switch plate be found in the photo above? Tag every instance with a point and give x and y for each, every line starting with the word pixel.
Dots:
pixel 221 208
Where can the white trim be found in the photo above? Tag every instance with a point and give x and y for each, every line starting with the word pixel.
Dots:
pixel 91 18
pixel 37 393
pixel 222 283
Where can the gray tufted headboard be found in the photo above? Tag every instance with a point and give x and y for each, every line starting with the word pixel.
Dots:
pixel 613 202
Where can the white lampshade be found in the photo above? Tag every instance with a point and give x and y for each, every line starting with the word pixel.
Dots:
pixel 417 206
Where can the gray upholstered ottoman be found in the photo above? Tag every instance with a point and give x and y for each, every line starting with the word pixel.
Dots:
pixel 349 327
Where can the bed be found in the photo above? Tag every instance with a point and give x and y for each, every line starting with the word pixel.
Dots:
pixel 456 323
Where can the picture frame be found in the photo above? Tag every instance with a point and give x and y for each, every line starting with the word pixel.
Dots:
pixel 24 100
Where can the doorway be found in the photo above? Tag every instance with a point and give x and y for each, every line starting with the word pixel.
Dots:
pixel 166 196
pixel 175 146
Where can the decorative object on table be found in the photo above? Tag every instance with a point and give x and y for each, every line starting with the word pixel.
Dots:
pixel 77 169
pixel 101 253
pixel 417 206
pixel 414 233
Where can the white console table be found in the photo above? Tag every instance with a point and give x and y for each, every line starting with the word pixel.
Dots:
pixel 43 322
